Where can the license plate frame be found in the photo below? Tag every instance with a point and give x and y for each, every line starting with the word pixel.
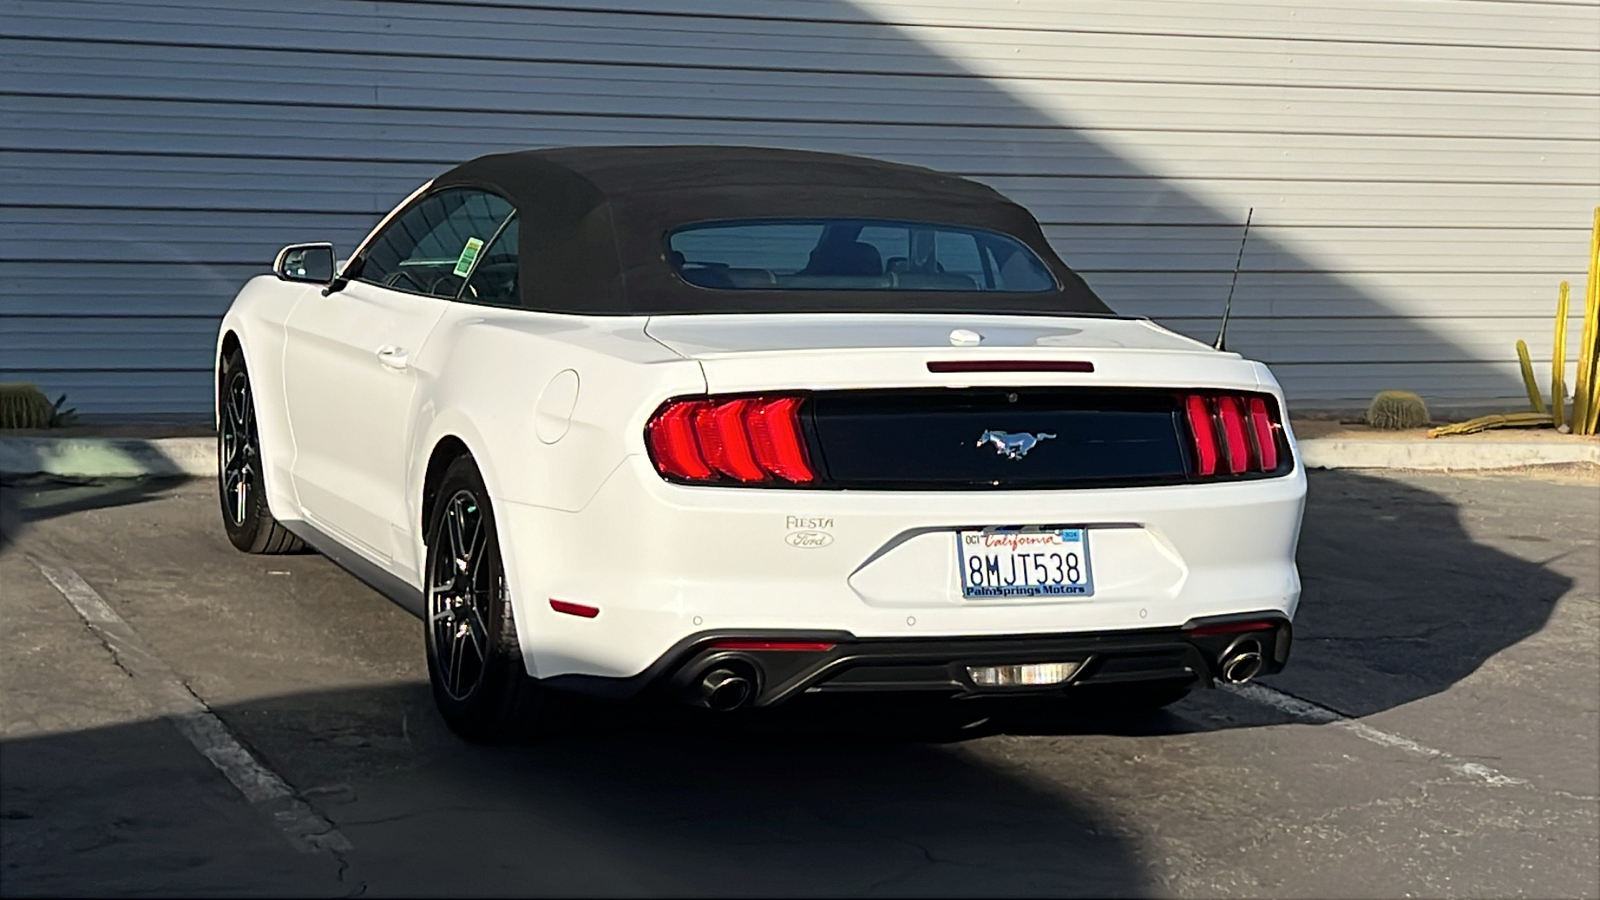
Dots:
pixel 1038 560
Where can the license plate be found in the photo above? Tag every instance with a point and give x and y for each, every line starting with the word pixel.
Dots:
pixel 1031 562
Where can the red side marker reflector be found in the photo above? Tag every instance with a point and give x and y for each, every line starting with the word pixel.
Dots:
pixel 1233 432
pixel 1009 365
pixel 574 609
pixel 735 644
pixel 1231 628
pixel 1205 435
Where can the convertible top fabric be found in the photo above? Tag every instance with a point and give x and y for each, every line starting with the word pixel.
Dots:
pixel 594 221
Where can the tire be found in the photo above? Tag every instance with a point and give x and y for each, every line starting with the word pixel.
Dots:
pixel 240 485
pixel 474 661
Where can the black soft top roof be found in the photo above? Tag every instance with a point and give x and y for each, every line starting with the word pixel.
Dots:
pixel 593 223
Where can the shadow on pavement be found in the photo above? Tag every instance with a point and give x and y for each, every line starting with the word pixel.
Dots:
pixel 33 498
pixel 1399 601
pixel 660 806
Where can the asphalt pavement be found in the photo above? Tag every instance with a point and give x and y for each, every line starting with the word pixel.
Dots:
pixel 1437 733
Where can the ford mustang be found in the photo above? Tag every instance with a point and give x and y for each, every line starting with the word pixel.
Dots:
pixel 735 425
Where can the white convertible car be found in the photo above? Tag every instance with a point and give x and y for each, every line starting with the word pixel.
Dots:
pixel 732 425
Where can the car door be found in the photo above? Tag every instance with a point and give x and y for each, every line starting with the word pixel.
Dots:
pixel 348 379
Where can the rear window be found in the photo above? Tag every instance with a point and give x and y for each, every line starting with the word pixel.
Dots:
pixel 853 255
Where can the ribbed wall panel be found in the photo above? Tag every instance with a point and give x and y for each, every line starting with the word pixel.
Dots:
pixel 1422 171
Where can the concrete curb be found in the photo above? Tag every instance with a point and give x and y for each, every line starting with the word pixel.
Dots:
pixel 1443 453
pixel 90 457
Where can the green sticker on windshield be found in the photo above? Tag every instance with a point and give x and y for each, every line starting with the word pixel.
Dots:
pixel 469 255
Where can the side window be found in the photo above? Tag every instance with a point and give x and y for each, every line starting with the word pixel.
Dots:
pixel 432 246
pixel 494 275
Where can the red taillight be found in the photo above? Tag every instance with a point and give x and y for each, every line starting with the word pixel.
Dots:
pixel 1238 431
pixel 725 442
pixel 1266 432
pixel 1205 436
pixel 1233 434
pixel 748 440
pixel 671 435
pixel 780 448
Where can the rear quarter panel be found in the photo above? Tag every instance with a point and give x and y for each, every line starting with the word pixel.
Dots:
pixel 486 378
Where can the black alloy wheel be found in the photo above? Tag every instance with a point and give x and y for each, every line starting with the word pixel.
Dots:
pixel 463 578
pixel 240 485
pixel 474 660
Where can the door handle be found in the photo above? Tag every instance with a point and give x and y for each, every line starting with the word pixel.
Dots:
pixel 394 357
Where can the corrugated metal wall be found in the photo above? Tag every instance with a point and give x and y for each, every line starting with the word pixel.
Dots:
pixel 1422 171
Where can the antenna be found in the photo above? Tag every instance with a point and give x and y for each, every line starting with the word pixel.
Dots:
pixel 1227 306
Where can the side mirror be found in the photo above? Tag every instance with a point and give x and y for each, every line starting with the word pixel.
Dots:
pixel 307 263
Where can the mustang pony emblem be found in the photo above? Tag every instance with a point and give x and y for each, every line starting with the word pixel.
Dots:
pixel 1012 446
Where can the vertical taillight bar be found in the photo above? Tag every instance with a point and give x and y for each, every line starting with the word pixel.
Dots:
pixel 775 436
pixel 671 437
pixel 1266 432
pixel 1234 438
pixel 1205 435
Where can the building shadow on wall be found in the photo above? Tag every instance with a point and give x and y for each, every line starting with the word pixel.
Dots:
pixel 387 95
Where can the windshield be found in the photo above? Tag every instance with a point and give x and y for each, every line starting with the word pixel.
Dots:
pixel 853 255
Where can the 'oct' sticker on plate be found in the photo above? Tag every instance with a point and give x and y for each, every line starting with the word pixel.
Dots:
pixel 1033 562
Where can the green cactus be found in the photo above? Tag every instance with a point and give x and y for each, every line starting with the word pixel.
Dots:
pixel 25 406
pixel 1397 410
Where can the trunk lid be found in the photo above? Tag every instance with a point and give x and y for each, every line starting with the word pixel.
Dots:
pixel 856 351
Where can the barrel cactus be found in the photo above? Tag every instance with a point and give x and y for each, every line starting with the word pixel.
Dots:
pixel 25 406
pixel 1397 410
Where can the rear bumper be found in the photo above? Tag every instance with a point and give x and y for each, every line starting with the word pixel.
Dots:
pixel 665 563
pixel 851 664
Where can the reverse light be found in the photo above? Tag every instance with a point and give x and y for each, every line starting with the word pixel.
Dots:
pixel 743 440
pixel 1022 676
pixel 1233 434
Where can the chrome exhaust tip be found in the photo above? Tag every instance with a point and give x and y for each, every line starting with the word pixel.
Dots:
pixel 1241 662
pixel 725 689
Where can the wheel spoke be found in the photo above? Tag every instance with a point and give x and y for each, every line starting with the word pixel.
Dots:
pixel 474 541
pixel 442 581
pixel 238 401
pixel 462 576
pixel 456 646
pixel 454 526
pixel 479 633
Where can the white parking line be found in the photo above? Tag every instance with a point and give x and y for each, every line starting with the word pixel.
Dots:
pixel 1309 712
pixel 306 829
